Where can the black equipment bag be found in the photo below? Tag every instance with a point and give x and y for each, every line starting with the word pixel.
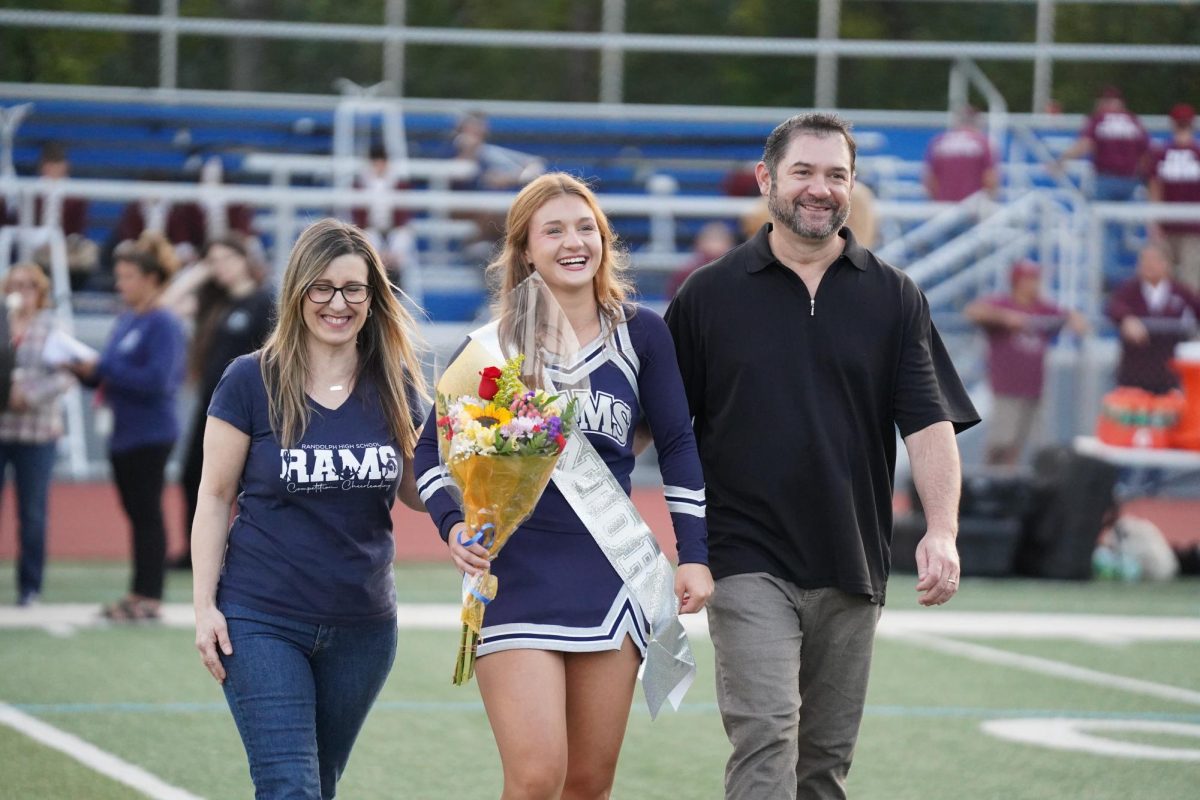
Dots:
pixel 1073 501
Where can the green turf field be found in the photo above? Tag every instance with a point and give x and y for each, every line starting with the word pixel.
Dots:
pixel 140 694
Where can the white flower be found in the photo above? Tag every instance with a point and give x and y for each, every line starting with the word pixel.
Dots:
pixel 520 426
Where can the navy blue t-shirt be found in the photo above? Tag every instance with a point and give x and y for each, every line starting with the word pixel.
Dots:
pixel 313 535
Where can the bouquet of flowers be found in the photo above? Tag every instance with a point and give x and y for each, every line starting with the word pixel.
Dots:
pixel 499 447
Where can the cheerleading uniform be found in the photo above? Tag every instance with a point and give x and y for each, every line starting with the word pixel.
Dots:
pixel 557 589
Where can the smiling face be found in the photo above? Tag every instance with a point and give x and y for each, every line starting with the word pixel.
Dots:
pixel 565 246
pixel 336 322
pixel 809 194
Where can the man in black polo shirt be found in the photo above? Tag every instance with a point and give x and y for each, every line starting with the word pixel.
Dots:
pixel 802 353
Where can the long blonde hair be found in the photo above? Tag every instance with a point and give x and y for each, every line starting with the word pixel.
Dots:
pixel 610 284
pixel 387 344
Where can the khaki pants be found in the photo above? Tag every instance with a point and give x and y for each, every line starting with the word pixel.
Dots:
pixel 1012 421
pixel 1185 251
pixel 792 668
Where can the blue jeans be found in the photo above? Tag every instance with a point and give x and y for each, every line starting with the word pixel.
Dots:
pixel 300 693
pixel 1115 188
pixel 34 466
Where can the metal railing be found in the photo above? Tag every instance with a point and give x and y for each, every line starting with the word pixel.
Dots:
pixel 613 43
pixel 972 246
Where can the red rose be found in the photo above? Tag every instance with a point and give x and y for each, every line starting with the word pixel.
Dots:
pixel 487 385
pixel 561 441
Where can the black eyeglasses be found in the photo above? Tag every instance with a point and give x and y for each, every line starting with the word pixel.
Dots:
pixel 352 292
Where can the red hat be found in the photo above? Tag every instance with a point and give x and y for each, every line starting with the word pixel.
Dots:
pixel 1024 269
pixel 1111 92
pixel 1182 114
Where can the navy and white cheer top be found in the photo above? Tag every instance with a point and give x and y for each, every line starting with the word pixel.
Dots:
pixel 557 589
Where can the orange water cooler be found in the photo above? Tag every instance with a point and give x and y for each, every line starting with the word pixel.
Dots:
pixel 1187 364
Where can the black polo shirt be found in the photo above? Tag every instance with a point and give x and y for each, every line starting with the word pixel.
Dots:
pixel 796 403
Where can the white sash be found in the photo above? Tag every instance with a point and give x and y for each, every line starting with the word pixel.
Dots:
pixel 626 540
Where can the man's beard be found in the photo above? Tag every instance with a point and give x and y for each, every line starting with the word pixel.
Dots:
pixel 792 218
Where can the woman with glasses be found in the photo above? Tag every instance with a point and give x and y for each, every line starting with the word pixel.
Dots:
pixel 295 603
pixel 32 423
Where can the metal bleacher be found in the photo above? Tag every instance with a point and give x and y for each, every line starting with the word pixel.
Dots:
pixel 657 169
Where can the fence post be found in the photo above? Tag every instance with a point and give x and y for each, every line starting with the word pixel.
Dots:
pixel 1043 67
pixel 394 14
pixel 829 21
pixel 662 221
pixel 168 46
pixel 612 57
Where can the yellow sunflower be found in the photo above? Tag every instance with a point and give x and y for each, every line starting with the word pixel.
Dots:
pixel 490 416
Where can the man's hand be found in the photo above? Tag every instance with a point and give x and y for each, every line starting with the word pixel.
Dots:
pixel 937 568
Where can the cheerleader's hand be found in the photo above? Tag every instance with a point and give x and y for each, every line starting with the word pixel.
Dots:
pixel 472 559
pixel 693 587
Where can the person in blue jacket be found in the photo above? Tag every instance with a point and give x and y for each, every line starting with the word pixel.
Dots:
pixel 139 374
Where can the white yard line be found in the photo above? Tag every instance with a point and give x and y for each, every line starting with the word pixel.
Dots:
pixel 1046 666
pixel 91 756
pixel 1103 628
pixel 63 618
pixel 1076 735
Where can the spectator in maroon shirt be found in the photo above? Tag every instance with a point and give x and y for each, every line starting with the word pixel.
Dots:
pixel 1152 314
pixel 66 213
pixel 71 216
pixel 1019 328
pixel 1117 142
pixel 714 240
pixel 741 182
pixel 960 162
pixel 1174 177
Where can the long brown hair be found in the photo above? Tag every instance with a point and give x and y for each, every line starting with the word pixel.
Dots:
pixel 213 301
pixel 387 344
pixel 610 284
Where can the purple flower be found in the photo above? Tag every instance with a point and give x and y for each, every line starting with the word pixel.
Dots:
pixel 554 426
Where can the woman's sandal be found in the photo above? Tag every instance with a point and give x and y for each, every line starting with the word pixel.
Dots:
pixel 131 609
